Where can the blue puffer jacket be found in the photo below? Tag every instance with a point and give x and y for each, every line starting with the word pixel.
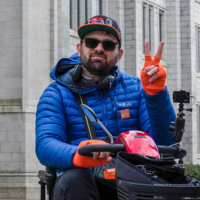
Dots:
pixel 59 125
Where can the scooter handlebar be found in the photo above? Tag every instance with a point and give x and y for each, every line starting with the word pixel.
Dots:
pixel 113 148
pixel 176 151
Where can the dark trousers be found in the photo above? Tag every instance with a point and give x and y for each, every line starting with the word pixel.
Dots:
pixel 79 184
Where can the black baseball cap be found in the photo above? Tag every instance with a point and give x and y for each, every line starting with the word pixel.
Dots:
pixel 100 23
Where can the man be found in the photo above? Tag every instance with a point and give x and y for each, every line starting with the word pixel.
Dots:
pixel 110 93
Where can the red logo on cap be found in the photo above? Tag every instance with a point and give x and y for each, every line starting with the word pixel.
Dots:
pixel 93 20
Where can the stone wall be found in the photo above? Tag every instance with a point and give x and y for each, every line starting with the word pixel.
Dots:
pixel 10 49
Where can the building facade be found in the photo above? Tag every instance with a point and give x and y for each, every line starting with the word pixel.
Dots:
pixel 35 34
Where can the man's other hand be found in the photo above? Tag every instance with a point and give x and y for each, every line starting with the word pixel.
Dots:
pixel 152 69
pixel 153 74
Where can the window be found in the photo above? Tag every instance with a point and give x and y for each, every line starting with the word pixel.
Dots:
pixel 144 8
pixel 74 15
pixel 147 24
pixel 100 7
pixel 78 16
pixel 79 12
pixel 86 9
pixel 198 128
pixel 197 49
pixel 153 24
pixel 70 13
pixel 150 27
pixel 160 26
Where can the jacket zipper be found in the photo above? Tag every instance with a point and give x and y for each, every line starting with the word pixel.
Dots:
pixel 115 114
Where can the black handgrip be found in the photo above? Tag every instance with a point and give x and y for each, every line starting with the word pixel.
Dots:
pixel 177 151
pixel 113 148
pixel 167 149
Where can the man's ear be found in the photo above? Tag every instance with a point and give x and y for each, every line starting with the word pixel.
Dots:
pixel 121 51
pixel 78 46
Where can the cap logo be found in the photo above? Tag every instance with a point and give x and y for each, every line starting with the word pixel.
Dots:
pixel 93 20
pixel 109 21
pixel 100 21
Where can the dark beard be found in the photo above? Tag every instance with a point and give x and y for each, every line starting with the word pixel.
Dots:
pixel 102 69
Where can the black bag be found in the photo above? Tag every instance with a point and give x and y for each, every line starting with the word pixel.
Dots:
pixel 148 170
pixel 98 172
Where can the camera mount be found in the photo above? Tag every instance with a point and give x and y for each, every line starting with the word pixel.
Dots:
pixel 178 128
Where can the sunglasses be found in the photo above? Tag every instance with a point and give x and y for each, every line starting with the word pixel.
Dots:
pixel 92 43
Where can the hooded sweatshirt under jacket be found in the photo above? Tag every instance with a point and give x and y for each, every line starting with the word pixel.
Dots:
pixel 59 125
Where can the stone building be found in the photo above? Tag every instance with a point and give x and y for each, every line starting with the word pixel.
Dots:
pixel 35 34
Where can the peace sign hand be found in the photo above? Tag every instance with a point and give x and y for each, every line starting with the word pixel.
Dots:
pixel 153 74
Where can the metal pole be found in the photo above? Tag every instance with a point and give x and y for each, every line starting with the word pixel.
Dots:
pixel 42 191
pixel 106 130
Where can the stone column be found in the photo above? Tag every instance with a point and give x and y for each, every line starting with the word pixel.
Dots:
pixel 195 80
pixel 116 11
pixel 187 34
pixel 129 38
pixel 173 46
pixel 54 33
pixel 33 36
pixel 12 154
pixel 196 85
pixel 63 28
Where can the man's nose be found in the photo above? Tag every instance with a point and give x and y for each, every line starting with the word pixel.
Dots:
pixel 99 47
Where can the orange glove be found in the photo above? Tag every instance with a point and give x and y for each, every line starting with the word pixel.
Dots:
pixel 157 85
pixel 86 161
